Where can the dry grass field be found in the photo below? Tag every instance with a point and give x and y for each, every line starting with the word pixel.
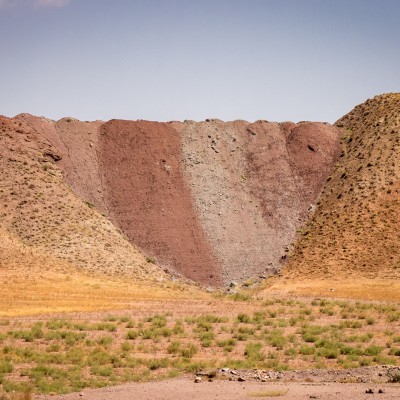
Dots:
pixel 358 287
pixel 153 339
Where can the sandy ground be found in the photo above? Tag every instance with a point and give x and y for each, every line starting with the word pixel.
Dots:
pixel 185 388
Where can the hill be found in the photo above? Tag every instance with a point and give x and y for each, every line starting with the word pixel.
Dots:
pixel 354 232
pixel 213 201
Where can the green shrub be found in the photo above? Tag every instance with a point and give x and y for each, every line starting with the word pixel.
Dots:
pixel 158 321
pixel 126 347
pixel 105 340
pixel 188 351
pixel 228 344
pixel 5 367
pixel 158 363
pixel 307 350
pixel 244 318
pixel 253 352
pixel 174 347
pixel 206 338
pixel 178 328
pixel 101 370
pixel 372 350
pixel 240 297
pixel 132 335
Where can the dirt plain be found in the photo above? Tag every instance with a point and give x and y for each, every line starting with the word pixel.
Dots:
pixel 185 388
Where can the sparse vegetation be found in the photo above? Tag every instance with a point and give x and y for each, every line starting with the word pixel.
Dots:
pixel 353 230
pixel 279 335
pixel 268 393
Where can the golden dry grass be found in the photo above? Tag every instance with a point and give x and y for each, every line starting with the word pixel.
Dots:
pixel 268 393
pixel 65 293
pixel 33 282
pixel 358 288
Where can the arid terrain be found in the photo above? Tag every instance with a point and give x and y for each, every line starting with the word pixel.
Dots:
pixel 352 238
pixel 139 256
pixel 182 193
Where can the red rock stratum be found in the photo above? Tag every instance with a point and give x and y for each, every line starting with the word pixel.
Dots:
pixel 213 201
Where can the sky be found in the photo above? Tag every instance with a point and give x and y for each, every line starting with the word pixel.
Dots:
pixel 278 60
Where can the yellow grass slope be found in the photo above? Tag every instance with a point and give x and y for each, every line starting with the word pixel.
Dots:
pixel 33 282
pixel 351 245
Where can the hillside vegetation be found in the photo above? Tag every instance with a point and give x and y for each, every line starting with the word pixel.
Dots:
pixel 354 232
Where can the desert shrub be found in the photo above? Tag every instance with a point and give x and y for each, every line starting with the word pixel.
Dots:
pixel 243 333
pixel 307 350
pixel 244 318
pixel 277 339
pixel 188 351
pixel 372 350
pixel 158 321
pixel 203 325
pixel 132 335
pixel 213 319
pixel 394 352
pixel 178 328
pixel 100 370
pixel 126 347
pixel 258 317
pixel 174 347
pixel 105 340
pixel 350 324
pixel 5 367
pixel 55 324
pixel 157 363
pixel 228 344
pixel 35 332
pixel 75 356
pixel 98 357
pixel 253 352
pixel 348 350
pixel 206 338
pixel 104 326
pixel 240 297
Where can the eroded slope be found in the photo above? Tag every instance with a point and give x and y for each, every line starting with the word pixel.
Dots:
pixel 253 185
pixel 355 230
pixel 149 199
pixel 38 208
pixel 215 201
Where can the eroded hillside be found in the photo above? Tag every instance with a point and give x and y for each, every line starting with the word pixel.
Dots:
pixel 214 201
pixel 355 230
pixel 42 213
pixel 253 185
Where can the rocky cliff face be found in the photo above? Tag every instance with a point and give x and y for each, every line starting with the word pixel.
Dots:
pixel 214 201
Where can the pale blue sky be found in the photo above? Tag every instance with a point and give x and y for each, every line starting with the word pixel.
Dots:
pixel 195 59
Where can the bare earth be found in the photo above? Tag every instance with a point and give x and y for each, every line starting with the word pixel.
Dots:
pixel 185 388
pixel 213 201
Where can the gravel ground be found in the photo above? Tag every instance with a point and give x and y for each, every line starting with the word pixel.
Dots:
pixel 185 388
pixel 227 384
